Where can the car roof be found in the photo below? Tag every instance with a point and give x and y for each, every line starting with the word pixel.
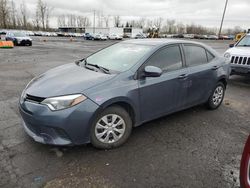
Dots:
pixel 159 42
pixel 162 42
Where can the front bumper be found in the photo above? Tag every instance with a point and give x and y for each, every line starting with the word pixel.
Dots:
pixel 64 127
pixel 240 70
pixel 24 42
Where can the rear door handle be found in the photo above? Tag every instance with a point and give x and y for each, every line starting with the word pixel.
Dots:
pixel 215 67
pixel 182 76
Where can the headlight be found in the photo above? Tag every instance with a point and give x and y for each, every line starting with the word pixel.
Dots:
pixel 62 102
pixel 227 55
pixel 23 96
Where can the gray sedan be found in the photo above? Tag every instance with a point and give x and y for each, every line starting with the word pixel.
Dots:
pixel 99 99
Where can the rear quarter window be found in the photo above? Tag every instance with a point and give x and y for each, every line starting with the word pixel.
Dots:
pixel 210 56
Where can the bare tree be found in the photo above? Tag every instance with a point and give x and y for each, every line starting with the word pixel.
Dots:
pixel 4 13
pixel 82 21
pixel 117 21
pixel 106 20
pixel 149 23
pixel 141 22
pixel 99 16
pixel 61 20
pixel 36 20
pixel 72 20
pixel 181 29
pixel 48 11
pixel 42 14
pixel 23 11
pixel 87 22
pixel 171 28
pixel 158 22
pixel 13 14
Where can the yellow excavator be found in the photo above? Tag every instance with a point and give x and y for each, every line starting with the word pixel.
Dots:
pixel 240 35
pixel 153 32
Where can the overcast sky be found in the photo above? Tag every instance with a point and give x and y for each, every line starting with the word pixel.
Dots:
pixel 204 12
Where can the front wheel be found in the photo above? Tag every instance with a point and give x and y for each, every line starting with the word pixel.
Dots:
pixel 217 96
pixel 111 128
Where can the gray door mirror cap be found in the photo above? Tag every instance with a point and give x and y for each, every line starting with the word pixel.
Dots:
pixel 152 71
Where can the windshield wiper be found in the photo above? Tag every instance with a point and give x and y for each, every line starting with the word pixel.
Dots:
pixel 105 70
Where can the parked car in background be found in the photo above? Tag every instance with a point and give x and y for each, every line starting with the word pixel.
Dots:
pixel 178 36
pixel 100 37
pixel 29 33
pixel 139 36
pixel 2 34
pixel 120 87
pixel 224 37
pixel 239 56
pixel 38 33
pixel 18 38
pixel 88 36
pixel 189 36
pixel 115 37
pixel 212 37
pixel 231 37
pixel 60 34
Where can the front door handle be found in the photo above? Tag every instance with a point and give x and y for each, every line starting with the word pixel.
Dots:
pixel 215 67
pixel 182 76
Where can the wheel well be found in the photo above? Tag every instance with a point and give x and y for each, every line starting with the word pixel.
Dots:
pixel 128 108
pixel 224 81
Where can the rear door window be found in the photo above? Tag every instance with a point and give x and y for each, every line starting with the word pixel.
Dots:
pixel 195 55
pixel 210 56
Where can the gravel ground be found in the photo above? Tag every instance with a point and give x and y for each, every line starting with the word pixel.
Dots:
pixel 191 148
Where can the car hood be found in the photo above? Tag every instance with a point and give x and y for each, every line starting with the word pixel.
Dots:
pixel 64 80
pixel 240 51
pixel 23 38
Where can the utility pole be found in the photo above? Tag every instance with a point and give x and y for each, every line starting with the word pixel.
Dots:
pixel 94 23
pixel 222 20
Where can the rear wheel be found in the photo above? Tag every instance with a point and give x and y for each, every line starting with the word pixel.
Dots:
pixel 217 96
pixel 111 128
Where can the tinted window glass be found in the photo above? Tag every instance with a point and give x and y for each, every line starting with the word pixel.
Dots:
pixel 119 57
pixel 167 59
pixel 195 55
pixel 244 41
pixel 210 56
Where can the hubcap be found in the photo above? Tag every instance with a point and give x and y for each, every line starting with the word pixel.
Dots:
pixel 110 128
pixel 218 95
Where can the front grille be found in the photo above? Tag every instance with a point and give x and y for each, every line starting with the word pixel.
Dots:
pixel 240 60
pixel 34 98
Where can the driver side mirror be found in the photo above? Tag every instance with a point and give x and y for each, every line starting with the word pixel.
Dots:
pixel 231 45
pixel 152 71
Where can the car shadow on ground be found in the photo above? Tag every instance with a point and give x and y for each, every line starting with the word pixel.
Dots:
pixel 240 80
pixel 140 133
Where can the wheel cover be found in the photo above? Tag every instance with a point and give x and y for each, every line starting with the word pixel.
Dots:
pixel 218 95
pixel 110 128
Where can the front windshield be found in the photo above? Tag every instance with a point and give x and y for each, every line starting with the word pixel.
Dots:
pixel 119 57
pixel 245 41
pixel 19 34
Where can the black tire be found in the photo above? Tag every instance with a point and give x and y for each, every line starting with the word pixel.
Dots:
pixel 115 110
pixel 211 104
pixel 15 43
pixel 30 44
